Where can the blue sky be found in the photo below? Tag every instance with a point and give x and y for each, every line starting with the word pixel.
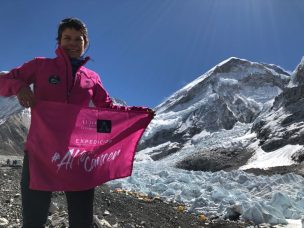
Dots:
pixel 145 50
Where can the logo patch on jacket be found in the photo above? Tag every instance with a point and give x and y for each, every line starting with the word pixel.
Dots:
pixel 54 79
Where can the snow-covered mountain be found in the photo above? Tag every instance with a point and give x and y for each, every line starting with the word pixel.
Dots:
pixel 230 95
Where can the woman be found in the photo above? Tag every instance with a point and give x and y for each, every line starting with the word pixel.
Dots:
pixel 62 79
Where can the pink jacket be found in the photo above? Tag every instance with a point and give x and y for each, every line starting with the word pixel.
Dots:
pixel 53 81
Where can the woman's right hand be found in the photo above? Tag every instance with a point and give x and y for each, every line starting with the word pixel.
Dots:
pixel 26 97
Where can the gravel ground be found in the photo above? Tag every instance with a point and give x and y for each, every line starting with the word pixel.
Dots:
pixel 118 208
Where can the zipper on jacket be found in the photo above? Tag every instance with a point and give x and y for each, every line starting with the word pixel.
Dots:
pixel 69 90
pixel 68 93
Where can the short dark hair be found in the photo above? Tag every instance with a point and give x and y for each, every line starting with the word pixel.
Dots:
pixel 75 23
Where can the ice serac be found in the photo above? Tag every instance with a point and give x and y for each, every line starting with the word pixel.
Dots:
pixel 235 91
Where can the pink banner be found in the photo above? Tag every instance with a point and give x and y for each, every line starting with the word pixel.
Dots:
pixel 73 148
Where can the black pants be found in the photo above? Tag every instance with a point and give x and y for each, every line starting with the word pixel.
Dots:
pixel 35 204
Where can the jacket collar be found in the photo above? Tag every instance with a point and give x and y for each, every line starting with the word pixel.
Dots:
pixel 61 54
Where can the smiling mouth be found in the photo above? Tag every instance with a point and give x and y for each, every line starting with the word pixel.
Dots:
pixel 71 50
pixel 73 53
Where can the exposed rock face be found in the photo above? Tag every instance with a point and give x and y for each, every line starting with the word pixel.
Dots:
pixel 298 156
pixel 12 135
pixel 284 123
pixel 216 159
pixel 297 78
pixel 165 151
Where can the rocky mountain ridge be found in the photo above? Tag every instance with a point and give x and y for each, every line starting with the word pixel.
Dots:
pixel 283 124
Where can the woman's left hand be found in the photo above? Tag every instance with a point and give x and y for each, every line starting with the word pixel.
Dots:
pixel 151 112
pixel 26 97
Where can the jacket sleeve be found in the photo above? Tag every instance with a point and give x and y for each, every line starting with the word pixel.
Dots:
pixel 102 99
pixel 17 78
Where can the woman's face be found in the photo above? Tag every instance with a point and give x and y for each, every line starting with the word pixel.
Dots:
pixel 73 42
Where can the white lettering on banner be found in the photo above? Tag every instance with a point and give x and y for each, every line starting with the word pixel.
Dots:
pixel 67 160
pixel 85 159
pixel 55 157
pixel 83 141
pixel 91 163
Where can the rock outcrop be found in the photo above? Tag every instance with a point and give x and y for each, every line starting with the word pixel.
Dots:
pixel 283 124
pixel 13 131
